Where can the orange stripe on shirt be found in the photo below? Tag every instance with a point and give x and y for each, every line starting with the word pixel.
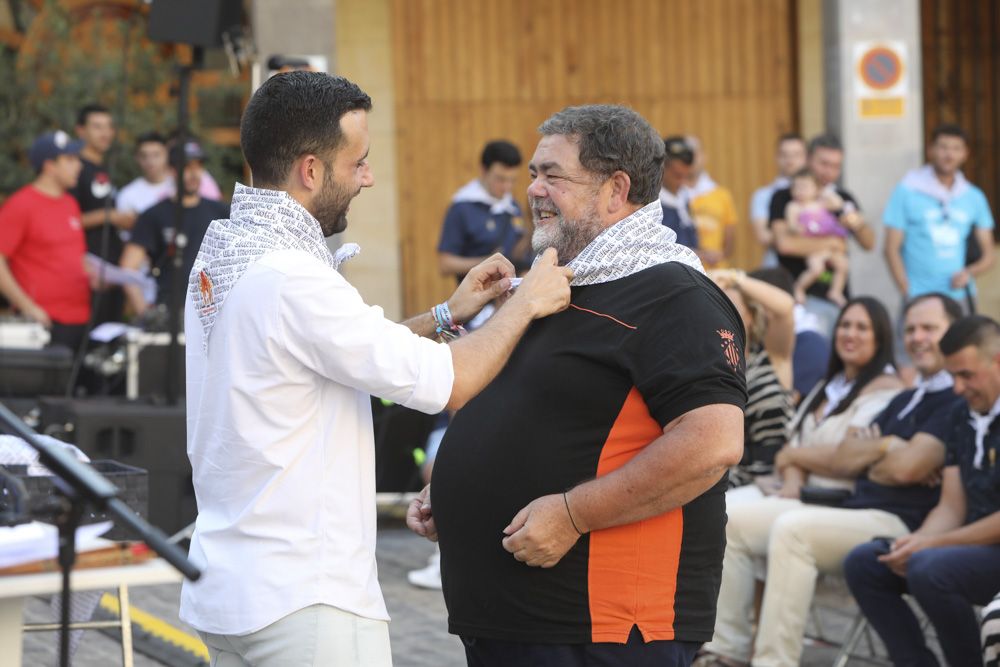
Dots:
pixel 594 312
pixel 632 572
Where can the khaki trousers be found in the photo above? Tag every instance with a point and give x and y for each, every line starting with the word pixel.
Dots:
pixel 317 636
pixel 798 542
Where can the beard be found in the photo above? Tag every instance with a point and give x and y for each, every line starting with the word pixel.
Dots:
pixel 568 237
pixel 330 205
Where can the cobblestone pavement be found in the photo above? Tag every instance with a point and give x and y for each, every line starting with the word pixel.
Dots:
pixel 418 629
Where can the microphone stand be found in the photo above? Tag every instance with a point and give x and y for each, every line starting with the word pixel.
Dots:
pixel 175 251
pixel 80 486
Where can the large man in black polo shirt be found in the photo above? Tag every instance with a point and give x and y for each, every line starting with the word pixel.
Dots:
pixel 600 452
pixel 825 160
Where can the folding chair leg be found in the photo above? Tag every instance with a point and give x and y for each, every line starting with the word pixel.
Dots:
pixel 125 615
pixel 854 634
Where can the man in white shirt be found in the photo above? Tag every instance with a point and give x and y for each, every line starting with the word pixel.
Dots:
pixel 154 185
pixel 282 355
pixel 790 158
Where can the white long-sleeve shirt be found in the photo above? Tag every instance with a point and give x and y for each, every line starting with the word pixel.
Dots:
pixel 281 442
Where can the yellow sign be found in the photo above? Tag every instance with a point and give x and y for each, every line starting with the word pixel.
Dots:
pixel 886 107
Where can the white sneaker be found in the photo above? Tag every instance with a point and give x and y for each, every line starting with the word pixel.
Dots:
pixel 430 576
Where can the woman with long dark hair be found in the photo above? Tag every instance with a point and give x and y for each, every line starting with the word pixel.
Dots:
pixel 859 383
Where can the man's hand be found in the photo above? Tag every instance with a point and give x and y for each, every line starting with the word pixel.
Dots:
pixel 541 533
pixel 123 219
pixel 419 517
pixel 545 288
pixel 34 313
pixel 904 547
pixel 784 458
pixel 960 279
pixel 485 282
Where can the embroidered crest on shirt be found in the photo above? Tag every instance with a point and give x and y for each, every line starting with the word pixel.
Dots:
pixel 729 349
pixel 205 291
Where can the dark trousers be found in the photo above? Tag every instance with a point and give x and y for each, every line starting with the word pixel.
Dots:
pixel 946 581
pixel 481 652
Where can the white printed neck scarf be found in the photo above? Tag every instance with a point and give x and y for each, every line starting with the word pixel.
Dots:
pixel 981 425
pixel 678 202
pixel 703 185
pixel 260 222
pixel 924 180
pixel 474 191
pixel 629 246
pixel 937 382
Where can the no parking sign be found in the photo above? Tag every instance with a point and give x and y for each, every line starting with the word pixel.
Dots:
pixel 880 79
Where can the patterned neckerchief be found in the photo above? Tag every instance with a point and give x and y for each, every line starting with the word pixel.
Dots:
pixel 260 222
pixel 629 246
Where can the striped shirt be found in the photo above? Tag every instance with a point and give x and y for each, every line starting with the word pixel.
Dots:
pixel 768 413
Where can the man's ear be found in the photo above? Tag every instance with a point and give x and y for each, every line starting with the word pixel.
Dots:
pixel 308 170
pixel 620 184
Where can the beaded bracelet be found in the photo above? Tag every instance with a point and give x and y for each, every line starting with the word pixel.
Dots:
pixel 446 329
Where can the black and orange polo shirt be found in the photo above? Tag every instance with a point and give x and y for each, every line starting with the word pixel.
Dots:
pixel 584 392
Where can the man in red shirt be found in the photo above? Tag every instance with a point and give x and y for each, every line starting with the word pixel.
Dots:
pixel 42 246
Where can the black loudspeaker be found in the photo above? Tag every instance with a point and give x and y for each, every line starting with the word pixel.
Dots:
pixel 194 22
pixel 138 434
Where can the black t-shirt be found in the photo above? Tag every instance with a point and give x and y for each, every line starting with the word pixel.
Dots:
pixel 584 391
pixel 93 190
pixel 982 482
pixel 931 416
pixel 796 265
pixel 154 231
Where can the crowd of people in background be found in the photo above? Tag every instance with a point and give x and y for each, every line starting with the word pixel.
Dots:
pixel 870 447
pixel 59 233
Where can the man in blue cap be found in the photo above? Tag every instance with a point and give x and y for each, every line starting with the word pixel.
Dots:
pixel 42 246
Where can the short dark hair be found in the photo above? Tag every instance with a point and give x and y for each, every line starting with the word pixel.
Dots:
pixel 85 112
pixel 677 147
pixel 977 330
pixel 952 310
pixel 790 136
pixel 883 357
pixel 614 138
pixel 150 138
pixel 776 276
pixel 500 151
pixel 948 130
pixel 295 114
pixel 827 140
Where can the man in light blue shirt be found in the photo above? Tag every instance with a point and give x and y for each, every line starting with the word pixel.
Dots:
pixel 928 221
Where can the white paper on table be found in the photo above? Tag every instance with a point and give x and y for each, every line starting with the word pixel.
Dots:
pixel 112 274
pixel 39 541
pixel 108 331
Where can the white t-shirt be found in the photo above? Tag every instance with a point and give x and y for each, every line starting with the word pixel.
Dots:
pixel 141 194
pixel 281 442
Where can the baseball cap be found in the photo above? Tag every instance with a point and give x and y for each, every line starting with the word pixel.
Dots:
pixel 51 145
pixel 192 151
pixel 677 148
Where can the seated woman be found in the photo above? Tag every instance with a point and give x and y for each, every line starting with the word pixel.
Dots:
pixel 768 315
pixel 859 383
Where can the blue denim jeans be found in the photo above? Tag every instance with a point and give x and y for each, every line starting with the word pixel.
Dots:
pixel 946 581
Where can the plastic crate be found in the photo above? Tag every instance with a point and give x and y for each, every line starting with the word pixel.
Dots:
pixel 132 483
